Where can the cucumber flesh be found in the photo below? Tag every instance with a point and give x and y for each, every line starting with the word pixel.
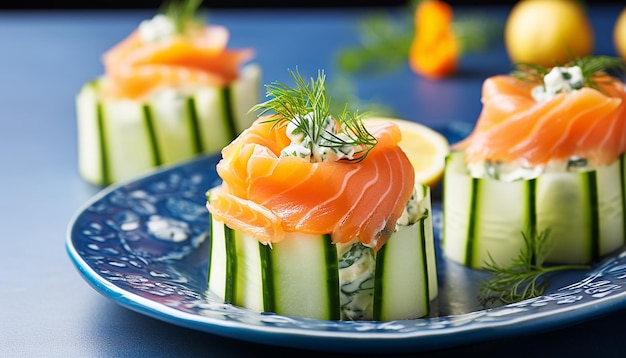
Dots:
pixel 127 140
pixel 484 218
pixel 404 253
pixel 479 220
pixel 119 139
pixel 245 92
pixel 176 126
pixel 396 292
pixel 564 207
pixel 304 256
pixel 92 160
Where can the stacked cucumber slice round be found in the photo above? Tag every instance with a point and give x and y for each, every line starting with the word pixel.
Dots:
pixel 484 219
pixel 120 138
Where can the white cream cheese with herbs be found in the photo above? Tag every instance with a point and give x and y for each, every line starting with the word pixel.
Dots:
pixel 329 145
pixel 412 211
pixel 558 80
pixel 357 264
pixel 510 172
pixel 158 28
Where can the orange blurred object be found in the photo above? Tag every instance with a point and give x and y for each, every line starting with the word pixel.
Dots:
pixel 434 52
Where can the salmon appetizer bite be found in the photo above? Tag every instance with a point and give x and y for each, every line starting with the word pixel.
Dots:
pixel 319 215
pixel 170 91
pixel 546 158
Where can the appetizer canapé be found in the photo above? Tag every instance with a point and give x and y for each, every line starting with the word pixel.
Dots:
pixel 319 216
pixel 546 158
pixel 171 90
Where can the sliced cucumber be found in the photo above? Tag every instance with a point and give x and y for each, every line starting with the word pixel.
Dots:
pixel 118 139
pixel 287 262
pixel 292 277
pixel 92 158
pixel 479 216
pixel 411 249
pixel 483 218
pixel 307 276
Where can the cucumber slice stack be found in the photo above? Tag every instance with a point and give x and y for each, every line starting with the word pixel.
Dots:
pixel 119 139
pixel 585 213
pixel 307 275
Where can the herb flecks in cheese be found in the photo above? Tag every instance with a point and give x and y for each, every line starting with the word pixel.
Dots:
pixel 559 80
pixel 331 144
pixel 159 28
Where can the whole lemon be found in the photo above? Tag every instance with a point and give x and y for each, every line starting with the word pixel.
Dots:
pixel 619 34
pixel 548 32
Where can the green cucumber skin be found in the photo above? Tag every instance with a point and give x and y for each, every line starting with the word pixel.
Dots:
pixel 230 122
pixel 120 139
pixel 193 123
pixel 104 158
pixel 585 213
pixel 267 278
pixel 230 292
pixel 304 268
pixel 471 230
pixel 150 133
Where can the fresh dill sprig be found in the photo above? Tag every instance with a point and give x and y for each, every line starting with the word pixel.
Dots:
pixel 384 44
pixel 526 277
pixel 529 72
pixel 589 65
pixel 293 105
pixel 183 13
pixel 592 65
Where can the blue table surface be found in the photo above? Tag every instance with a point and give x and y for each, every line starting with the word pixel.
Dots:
pixel 47 309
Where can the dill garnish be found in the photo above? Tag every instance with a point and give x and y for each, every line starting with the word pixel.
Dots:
pixel 590 66
pixel 307 106
pixel 183 14
pixel 526 277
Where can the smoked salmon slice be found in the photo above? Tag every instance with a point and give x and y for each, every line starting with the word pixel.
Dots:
pixel 266 195
pixel 136 66
pixel 513 128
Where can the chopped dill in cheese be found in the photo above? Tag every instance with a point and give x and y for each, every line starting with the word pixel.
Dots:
pixel 159 28
pixel 325 147
pixel 316 134
pixel 558 80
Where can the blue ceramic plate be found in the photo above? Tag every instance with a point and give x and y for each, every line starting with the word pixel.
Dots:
pixel 143 244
